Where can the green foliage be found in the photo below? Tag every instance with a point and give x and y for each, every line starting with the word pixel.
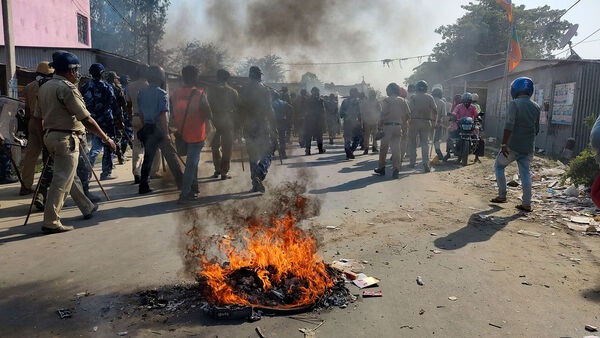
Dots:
pixel 208 57
pixel 479 39
pixel 270 65
pixel 132 28
pixel 583 169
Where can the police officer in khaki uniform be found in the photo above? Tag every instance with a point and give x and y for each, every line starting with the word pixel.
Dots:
pixel 65 119
pixel 422 119
pixel 34 140
pixel 393 122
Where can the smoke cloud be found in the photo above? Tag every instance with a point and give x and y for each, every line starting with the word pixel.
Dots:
pixel 315 31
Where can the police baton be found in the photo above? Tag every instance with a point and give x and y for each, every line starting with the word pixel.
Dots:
pixel 89 165
pixel 37 189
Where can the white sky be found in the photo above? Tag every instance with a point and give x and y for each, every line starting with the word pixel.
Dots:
pixel 417 39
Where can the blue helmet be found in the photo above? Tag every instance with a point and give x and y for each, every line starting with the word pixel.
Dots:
pixel 96 70
pixel 521 85
pixel 63 61
pixel 467 97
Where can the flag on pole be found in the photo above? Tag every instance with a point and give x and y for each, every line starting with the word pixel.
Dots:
pixel 514 55
pixel 507 5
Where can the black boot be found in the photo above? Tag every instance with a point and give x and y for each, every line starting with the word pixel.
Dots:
pixel 380 171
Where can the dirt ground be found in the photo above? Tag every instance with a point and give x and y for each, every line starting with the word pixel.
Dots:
pixel 481 277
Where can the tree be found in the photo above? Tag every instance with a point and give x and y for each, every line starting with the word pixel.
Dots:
pixel 270 65
pixel 208 57
pixel 132 28
pixel 309 80
pixel 479 39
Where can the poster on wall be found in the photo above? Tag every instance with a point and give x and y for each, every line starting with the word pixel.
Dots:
pixel 562 109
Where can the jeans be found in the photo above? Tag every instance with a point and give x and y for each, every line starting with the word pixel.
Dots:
pixel 523 162
pixel 259 149
pixel 190 174
pixel 107 156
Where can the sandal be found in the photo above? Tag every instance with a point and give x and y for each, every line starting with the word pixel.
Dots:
pixel 526 208
pixel 498 200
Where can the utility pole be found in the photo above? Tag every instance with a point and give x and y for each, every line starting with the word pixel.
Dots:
pixel 9 45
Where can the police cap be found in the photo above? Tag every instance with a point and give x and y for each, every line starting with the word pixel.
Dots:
pixel 44 68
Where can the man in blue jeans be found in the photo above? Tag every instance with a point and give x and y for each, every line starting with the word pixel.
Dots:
pixel 518 140
pixel 191 113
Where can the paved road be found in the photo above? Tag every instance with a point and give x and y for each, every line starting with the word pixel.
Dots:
pixel 425 225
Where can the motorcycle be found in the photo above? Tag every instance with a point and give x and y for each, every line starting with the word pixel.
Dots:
pixel 466 139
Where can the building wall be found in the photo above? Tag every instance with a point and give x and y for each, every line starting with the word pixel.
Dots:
pixel 49 23
pixel 552 137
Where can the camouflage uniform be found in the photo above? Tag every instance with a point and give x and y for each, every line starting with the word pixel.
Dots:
pixel 101 102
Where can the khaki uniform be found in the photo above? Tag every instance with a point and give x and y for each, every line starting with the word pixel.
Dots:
pixel 137 151
pixel 370 110
pixel 422 120
pixel 440 131
pixel 62 108
pixel 35 140
pixel 395 112
pixel 224 104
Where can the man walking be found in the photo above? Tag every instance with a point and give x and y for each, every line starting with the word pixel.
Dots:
pixel 153 104
pixel 518 140
pixel 35 140
pixel 191 113
pixel 223 100
pixel 65 120
pixel 101 102
pixel 370 110
pixel 422 119
pixel 350 113
pixel 394 121
pixel 314 123
pixel 259 127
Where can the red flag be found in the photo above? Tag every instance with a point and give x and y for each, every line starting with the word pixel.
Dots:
pixel 507 5
pixel 514 55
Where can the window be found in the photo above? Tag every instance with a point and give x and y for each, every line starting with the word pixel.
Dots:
pixel 82 29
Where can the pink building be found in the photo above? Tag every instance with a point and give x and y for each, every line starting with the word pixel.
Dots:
pixel 50 23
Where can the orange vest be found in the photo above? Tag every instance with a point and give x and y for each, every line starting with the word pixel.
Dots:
pixel 193 129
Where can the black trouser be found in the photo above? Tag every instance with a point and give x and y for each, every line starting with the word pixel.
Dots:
pixel 153 139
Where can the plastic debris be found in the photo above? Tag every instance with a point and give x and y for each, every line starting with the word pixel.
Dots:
pixel 452 298
pixel 420 281
pixel 529 233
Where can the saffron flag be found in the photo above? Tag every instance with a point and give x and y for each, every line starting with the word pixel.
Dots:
pixel 507 5
pixel 514 55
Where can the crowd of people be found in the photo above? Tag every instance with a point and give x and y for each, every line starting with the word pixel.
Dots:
pixel 112 112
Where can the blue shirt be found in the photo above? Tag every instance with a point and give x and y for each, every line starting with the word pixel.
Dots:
pixel 152 100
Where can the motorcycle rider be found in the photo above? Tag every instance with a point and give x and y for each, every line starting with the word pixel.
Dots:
pixel 465 109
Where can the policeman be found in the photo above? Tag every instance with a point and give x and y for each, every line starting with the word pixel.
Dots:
pixel 101 102
pixel 333 116
pixel 35 140
pixel 283 113
pixel 65 120
pixel 422 120
pixel 370 110
pixel 350 112
pixel 259 127
pixel 441 115
pixel 224 101
pixel 314 122
pixel 394 118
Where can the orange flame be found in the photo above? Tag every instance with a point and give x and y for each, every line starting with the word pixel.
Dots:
pixel 275 253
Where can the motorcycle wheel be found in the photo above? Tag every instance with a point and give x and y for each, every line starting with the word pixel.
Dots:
pixel 464 153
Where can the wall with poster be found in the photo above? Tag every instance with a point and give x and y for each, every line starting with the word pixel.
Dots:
pixel 562 108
